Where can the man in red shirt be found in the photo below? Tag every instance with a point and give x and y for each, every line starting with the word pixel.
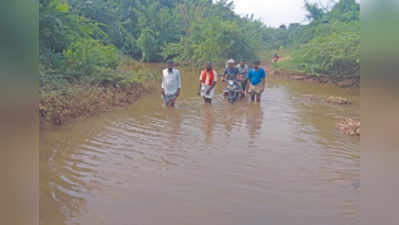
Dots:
pixel 207 85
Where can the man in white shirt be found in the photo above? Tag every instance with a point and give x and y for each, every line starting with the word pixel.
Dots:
pixel 171 84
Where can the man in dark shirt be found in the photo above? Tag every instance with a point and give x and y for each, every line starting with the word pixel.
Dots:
pixel 231 72
pixel 243 70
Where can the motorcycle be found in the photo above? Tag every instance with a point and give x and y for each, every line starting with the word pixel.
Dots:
pixel 233 91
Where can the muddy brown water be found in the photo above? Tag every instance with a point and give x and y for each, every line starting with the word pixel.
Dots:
pixel 278 162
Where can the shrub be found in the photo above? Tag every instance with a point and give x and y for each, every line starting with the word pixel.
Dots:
pixel 87 56
pixel 337 53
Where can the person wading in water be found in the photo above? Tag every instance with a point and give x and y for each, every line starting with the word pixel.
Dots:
pixel 231 72
pixel 256 84
pixel 171 84
pixel 243 72
pixel 276 58
pixel 207 85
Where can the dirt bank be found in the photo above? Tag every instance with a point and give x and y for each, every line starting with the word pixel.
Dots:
pixel 338 80
pixel 58 107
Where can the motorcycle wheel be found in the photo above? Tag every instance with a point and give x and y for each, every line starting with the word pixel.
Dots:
pixel 231 97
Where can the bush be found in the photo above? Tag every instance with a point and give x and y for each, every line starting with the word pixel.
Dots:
pixel 88 56
pixel 148 45
pixel 338 53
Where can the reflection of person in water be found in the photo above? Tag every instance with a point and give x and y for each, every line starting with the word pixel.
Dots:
pixel 174 119
pixel 232 117
pixel 254 119
pixel 207 121
pixel 228 120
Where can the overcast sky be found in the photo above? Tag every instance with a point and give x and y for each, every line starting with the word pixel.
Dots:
pixel 274 12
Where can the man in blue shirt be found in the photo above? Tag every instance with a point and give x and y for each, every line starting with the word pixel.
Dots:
pixel 256 84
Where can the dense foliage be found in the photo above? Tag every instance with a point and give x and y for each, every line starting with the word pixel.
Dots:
pixel 329 44
pixel 88 38
pixel 87 46
pixel 81 38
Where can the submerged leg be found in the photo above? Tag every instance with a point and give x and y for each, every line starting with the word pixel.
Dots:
pixel 258 97
pixel 252 96
pixel 171 103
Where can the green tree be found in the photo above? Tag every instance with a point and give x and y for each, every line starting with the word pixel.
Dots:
pixel 148 45
pixel 330 43
pixel 314 11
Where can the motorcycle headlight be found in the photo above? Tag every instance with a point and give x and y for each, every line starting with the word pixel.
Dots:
pixel 231 82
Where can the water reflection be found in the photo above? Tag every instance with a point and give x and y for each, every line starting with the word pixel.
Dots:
pixel 207 121
pixel 69 177
pixel 232 116
pixel 254 119
pixel 174 120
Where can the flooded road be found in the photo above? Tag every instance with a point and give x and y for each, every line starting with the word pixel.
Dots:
pixel 279 162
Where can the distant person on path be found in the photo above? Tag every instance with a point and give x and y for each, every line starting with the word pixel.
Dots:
pixel 276 58
pixel 231 72
pixel 207 85
pixel 171 84
pixel 256 84
pixel 243 73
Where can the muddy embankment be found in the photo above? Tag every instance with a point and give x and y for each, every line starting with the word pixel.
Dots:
pixel 83 100
pixel 337 80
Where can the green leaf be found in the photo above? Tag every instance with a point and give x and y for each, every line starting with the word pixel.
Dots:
pixel 63 7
